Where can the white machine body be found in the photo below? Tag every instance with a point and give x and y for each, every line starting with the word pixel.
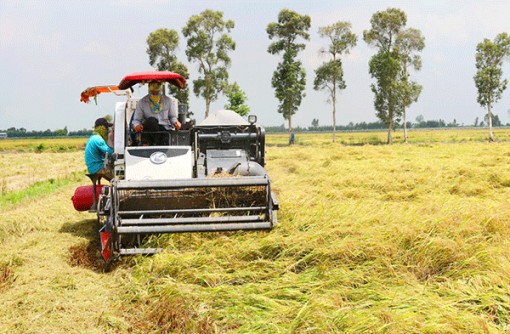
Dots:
pixel 158 163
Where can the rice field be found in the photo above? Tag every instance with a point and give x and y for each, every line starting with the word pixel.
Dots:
pixel 408 238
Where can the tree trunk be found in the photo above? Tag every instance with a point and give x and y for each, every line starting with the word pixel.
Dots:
pixel 390 139
pixel 207 103
pixel 405 127
pixel 291 135
pixel 489 121
pixel 390 120
pixel 334 115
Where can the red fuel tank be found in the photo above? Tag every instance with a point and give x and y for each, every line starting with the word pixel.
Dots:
pixel 83 197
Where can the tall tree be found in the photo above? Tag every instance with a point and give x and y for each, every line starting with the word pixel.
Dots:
pixel 161 47
pixel 289 79
pixel 236 100
pixel 409 42
pixel 385 66
pixel 488 78
pixel 329 76
pixel 209 44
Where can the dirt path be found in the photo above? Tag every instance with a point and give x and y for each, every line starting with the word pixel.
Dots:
pixel 49 279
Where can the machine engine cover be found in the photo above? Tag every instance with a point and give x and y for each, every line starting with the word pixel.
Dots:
pixel 158 163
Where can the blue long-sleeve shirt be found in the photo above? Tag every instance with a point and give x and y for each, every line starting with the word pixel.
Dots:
pixel 95 151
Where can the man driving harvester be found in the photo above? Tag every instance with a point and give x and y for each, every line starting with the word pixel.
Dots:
pixel 155 115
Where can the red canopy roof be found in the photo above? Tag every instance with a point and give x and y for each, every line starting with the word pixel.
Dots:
pixel 137 77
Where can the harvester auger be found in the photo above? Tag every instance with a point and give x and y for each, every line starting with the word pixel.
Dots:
pixel 209 178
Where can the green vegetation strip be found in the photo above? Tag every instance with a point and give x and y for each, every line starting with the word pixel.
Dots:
pixel 36 190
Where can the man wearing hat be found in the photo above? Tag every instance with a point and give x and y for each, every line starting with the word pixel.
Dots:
pixel 155 113
pixel 97 148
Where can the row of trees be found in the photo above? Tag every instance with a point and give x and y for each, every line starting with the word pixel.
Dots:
pixel 397 55
pixel 419 123
pixel 209 44
pixel 22 132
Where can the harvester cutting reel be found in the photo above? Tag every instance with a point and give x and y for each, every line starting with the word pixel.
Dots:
pixel 133 212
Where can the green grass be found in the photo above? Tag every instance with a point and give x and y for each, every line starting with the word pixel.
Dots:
pixel 38 189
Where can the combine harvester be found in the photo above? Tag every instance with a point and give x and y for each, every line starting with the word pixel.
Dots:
pixel 209 178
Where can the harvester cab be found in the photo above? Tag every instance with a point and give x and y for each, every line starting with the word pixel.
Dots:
pixel 208 177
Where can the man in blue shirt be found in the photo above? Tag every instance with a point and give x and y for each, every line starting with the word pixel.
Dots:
pixel 97 148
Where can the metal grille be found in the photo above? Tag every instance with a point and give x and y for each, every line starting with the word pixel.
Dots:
pixel 192 200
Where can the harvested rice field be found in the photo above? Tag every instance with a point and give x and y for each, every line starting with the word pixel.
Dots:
pixel 407 238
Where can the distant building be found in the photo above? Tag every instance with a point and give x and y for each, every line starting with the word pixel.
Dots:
pixel 3 135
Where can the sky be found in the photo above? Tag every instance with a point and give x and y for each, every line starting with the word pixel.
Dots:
pixel 51 50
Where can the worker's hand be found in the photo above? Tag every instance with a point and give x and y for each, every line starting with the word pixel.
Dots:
pixel 139 128
pixel 177 125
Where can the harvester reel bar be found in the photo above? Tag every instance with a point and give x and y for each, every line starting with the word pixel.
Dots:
pixel 195 183
pixel 187 220
pixel 181 211
pixel 194 228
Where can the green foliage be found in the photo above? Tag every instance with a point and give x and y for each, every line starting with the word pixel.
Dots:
pixel 290 26
pixel 161 47
pixel 182 95
pixel 329 76
pixel 386 25
pixel 385 67
pixel 208 44
pixel 40 148
pixel 289 79
pixel 23 133
pixel 409 42
pixel 397 48
pixel 237 100
pixel 61 132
